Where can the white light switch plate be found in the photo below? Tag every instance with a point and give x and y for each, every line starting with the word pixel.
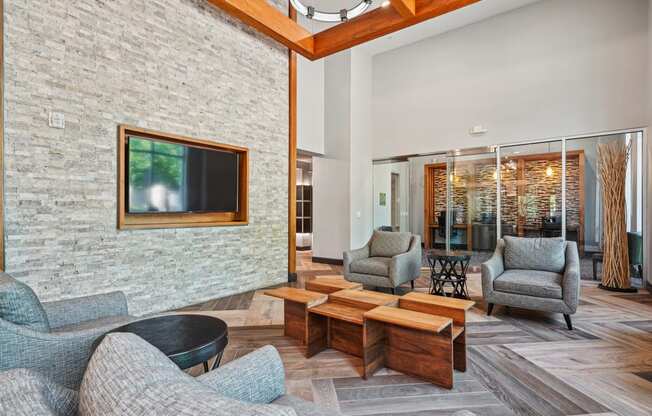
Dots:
pixel 57 120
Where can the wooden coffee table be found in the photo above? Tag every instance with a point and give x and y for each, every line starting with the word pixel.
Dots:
pixel 296 304
pixel 418 334
pixel 444 306
pixel 330 284
pixel 339 323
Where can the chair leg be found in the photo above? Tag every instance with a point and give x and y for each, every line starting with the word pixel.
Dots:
pixel 412 284
pixel 490 308
pixel 393 291
pixel 569 324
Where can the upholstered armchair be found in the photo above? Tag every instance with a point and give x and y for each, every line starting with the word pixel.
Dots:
pixel 533 273
pixel 389 260
pixel 54 338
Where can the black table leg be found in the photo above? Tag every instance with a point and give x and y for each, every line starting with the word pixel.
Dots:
pixel 205 366
pixel 218 358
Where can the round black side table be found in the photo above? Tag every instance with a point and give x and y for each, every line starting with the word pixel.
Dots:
pixel 188 340
pixel 448 268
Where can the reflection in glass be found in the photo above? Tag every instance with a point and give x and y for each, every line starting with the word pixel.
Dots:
pixel 391 196
pixel 168 177
pixel 585 209
pixel 531 190
pixel 156 172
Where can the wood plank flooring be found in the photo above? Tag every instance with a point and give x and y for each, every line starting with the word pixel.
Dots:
pixel 520 362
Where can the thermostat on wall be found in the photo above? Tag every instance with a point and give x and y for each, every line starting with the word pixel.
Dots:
pixel 479 129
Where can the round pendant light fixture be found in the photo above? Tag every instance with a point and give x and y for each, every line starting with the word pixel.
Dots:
pixel 342 16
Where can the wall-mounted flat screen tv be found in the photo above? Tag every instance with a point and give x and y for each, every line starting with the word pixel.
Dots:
pixel 171 177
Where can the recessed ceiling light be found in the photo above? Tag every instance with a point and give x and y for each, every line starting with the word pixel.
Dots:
pixel 385 3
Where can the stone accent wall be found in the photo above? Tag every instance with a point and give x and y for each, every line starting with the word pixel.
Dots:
pixel 178 66
pixel 476 180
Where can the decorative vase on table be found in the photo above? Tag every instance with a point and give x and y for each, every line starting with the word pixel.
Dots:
pixel 612 170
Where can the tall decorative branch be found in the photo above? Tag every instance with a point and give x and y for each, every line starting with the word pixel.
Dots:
pixel 612 169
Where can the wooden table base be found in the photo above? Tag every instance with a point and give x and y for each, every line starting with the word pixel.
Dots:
pixel 417 334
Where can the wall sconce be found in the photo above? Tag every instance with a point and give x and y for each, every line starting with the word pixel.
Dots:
pixel 549 171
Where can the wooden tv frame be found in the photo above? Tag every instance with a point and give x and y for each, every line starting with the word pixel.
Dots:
pixel 183 219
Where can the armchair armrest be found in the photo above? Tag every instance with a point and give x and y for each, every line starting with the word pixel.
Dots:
pixel 61 356
pixel 74 311
pixel 571 281
pixel 407 266
pixel 493 268
pixel 258 377
pixel 353 255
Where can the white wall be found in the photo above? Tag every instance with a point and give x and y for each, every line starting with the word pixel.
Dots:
pixel 382 184
pixel 331 228
pixel 361 148
pixel 553 68
pixel 342 179
pixel 331 173
pixel 310 105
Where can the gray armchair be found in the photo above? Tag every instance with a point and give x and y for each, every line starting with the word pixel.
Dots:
pixel 55 338
pixel 389 259
pixel 533 273
pixel 126 375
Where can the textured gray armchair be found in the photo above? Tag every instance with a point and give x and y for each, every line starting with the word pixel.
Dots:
pixel 533 273
pixel 128 376
pixel 55 338
pixel 389 259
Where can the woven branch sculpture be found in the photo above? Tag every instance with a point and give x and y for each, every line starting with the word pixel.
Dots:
pixel 612 169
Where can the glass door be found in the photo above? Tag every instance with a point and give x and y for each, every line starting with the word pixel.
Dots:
pixel 470 217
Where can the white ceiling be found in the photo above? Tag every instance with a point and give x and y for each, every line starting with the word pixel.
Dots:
pixel 450 21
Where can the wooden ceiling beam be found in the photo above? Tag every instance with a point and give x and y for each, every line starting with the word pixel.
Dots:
pixel 266 18
pixel 406 8
pixel 379 22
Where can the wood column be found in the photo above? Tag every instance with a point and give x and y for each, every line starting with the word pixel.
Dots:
pixel 292 150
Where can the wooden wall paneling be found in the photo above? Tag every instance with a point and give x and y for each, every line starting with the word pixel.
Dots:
pixel 292 159
pixel 185 219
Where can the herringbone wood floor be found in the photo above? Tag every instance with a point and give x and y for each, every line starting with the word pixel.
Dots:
pixel 521 362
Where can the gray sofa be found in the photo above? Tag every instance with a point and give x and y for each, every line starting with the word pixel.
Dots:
pixel 389 259
pixel 127 376
pixel 533 273
pixel 54 338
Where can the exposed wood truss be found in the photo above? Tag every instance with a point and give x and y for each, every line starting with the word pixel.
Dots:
pixel 269 20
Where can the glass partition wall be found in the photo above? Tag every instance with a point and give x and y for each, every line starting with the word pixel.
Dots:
pixel 472 204
pixel 466 200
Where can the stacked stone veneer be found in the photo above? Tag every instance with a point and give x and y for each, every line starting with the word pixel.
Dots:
pixel 475 183
pixel 177 66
